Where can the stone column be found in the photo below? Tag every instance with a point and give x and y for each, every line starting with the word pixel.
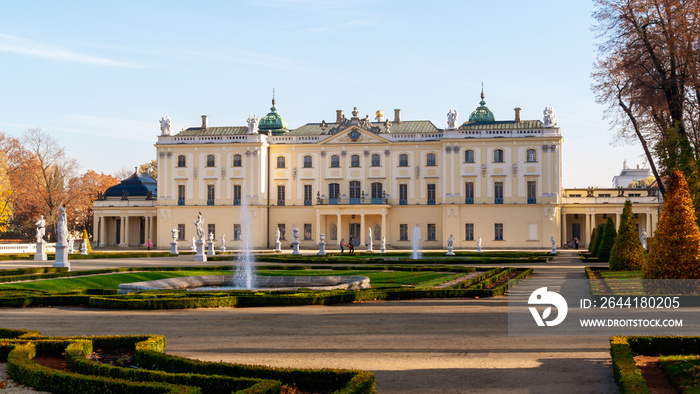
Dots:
pixel 589 229
pixel 126 231
pixel 648 224
pixel 362 229
pixel 318 224
pixel 384 230
pixel 339 227
pixel 564 229
pixel 618 215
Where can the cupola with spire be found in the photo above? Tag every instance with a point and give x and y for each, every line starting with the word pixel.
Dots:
pixel 273 123
pixel 482 114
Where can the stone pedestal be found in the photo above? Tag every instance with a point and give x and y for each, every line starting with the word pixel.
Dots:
pixel 61 256
pixel 200 256
pixel 222 249
pixel 295 247
pixel 210 248
pixel 369 247
pixel 278 246
pixel 70 247
pixel 449 251
pixel 383 247
pixel 83 248
pixel 40 251
pixel 322 248
pixel 173 248
pixel 554 249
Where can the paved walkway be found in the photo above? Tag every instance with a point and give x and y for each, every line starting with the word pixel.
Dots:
pixel 421 346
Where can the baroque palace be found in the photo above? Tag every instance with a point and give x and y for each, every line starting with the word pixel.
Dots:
pixel 498 181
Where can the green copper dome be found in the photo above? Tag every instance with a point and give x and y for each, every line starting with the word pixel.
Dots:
pixel 273 123
pixel 482 113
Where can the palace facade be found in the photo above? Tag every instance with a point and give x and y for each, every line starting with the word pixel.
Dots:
pixel 498 181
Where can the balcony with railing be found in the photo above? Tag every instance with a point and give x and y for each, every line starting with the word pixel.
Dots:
pixel 532 200
pixel 180 201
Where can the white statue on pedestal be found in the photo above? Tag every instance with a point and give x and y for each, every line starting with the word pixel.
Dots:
pixel 644 238
pixel 253 122
pixel 478 245
pixel 549 118
pixel 450 241
pixel 198 225
pixel 369 235
pixel 71 248
pixel 211 237
pixel 452 117
pixel 62 226
pixel 165 126
pixel 194 245
pixel 40 228
pixel 295 233
pixel 223 243
pixel 174 234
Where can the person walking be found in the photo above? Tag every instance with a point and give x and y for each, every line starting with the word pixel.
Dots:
pixel 575 243
pixel 149 244
pixel 351 246
pixel 342 245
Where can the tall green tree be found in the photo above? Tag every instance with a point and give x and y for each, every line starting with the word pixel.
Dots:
pixel 627 253
pixel 607 241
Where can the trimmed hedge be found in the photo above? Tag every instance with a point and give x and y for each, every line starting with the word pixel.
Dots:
pixel 161 373
pixel 623 349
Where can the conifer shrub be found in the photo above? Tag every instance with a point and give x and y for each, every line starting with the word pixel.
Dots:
pixel 598 239
pixel 607 241
pixel 591 244
pixel 87 241
pixel 627 253
pixel 675 252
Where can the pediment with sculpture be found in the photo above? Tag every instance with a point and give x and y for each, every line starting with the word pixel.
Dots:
pixel 355 135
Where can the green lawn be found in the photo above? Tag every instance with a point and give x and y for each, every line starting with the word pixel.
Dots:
pixel 683 372
pixel 112 281
pixel 623 282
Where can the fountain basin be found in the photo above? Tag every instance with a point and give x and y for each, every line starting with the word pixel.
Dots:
pixel 264 283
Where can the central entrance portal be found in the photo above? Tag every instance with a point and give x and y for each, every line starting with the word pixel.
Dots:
pixel 355 233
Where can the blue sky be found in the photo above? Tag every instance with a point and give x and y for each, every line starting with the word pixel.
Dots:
pixel 99 75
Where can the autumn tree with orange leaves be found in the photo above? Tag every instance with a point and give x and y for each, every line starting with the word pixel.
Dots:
pixel 647 75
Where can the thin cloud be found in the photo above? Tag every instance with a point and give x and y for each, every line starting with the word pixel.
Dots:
pixel 338 26
pixel 29 47
pixel 99 126
pixel 303 4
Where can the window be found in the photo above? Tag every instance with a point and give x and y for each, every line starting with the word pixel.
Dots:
pixel 236 194
pixel 236 232
pixel 355 161
pixel 211 162
pixel 355 192
pixel 631 195
pixel 181 161
pixel 307 232
pixel 403 194
pixel 283 231
pixel 403 232
pixel 431 194
pixel 280 195
pixel 498 232
pixel 376 193
pixel 308 194
pixel 376 160
pixel 498 192
pixel 468 156
pixel 237 161
pixel 308 162
pixel 180 232
pixel 498 156
pixel 211 230
pixel 604 195
pixel 574 195
pixel 180 194
pixel 333 192
pixel 403 160
pixel 335 161
pixel 469 193
pixel 431 232
pixel 210 194
pixel 281 162
pixel 468 231
pixel 531 155
pixel 532 192
pixel 430 160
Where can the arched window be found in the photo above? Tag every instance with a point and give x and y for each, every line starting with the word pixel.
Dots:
pixel 498 156
pixel 307 161
pixel 237 161
pixel 531 155
pixel 211 161
pixel 468 156
pixel 355 161
pixel 403 160
pixel 430 160
pixel 335 161
pixel 376 160
pixel 181 161
pixel 281 162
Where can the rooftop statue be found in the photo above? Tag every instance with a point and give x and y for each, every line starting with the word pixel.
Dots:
pixel 253 122
pixel 452 119
pixel 165 126
pixel 549 118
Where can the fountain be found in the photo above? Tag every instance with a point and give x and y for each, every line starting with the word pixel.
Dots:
pixel 416 243
pixel 244 278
